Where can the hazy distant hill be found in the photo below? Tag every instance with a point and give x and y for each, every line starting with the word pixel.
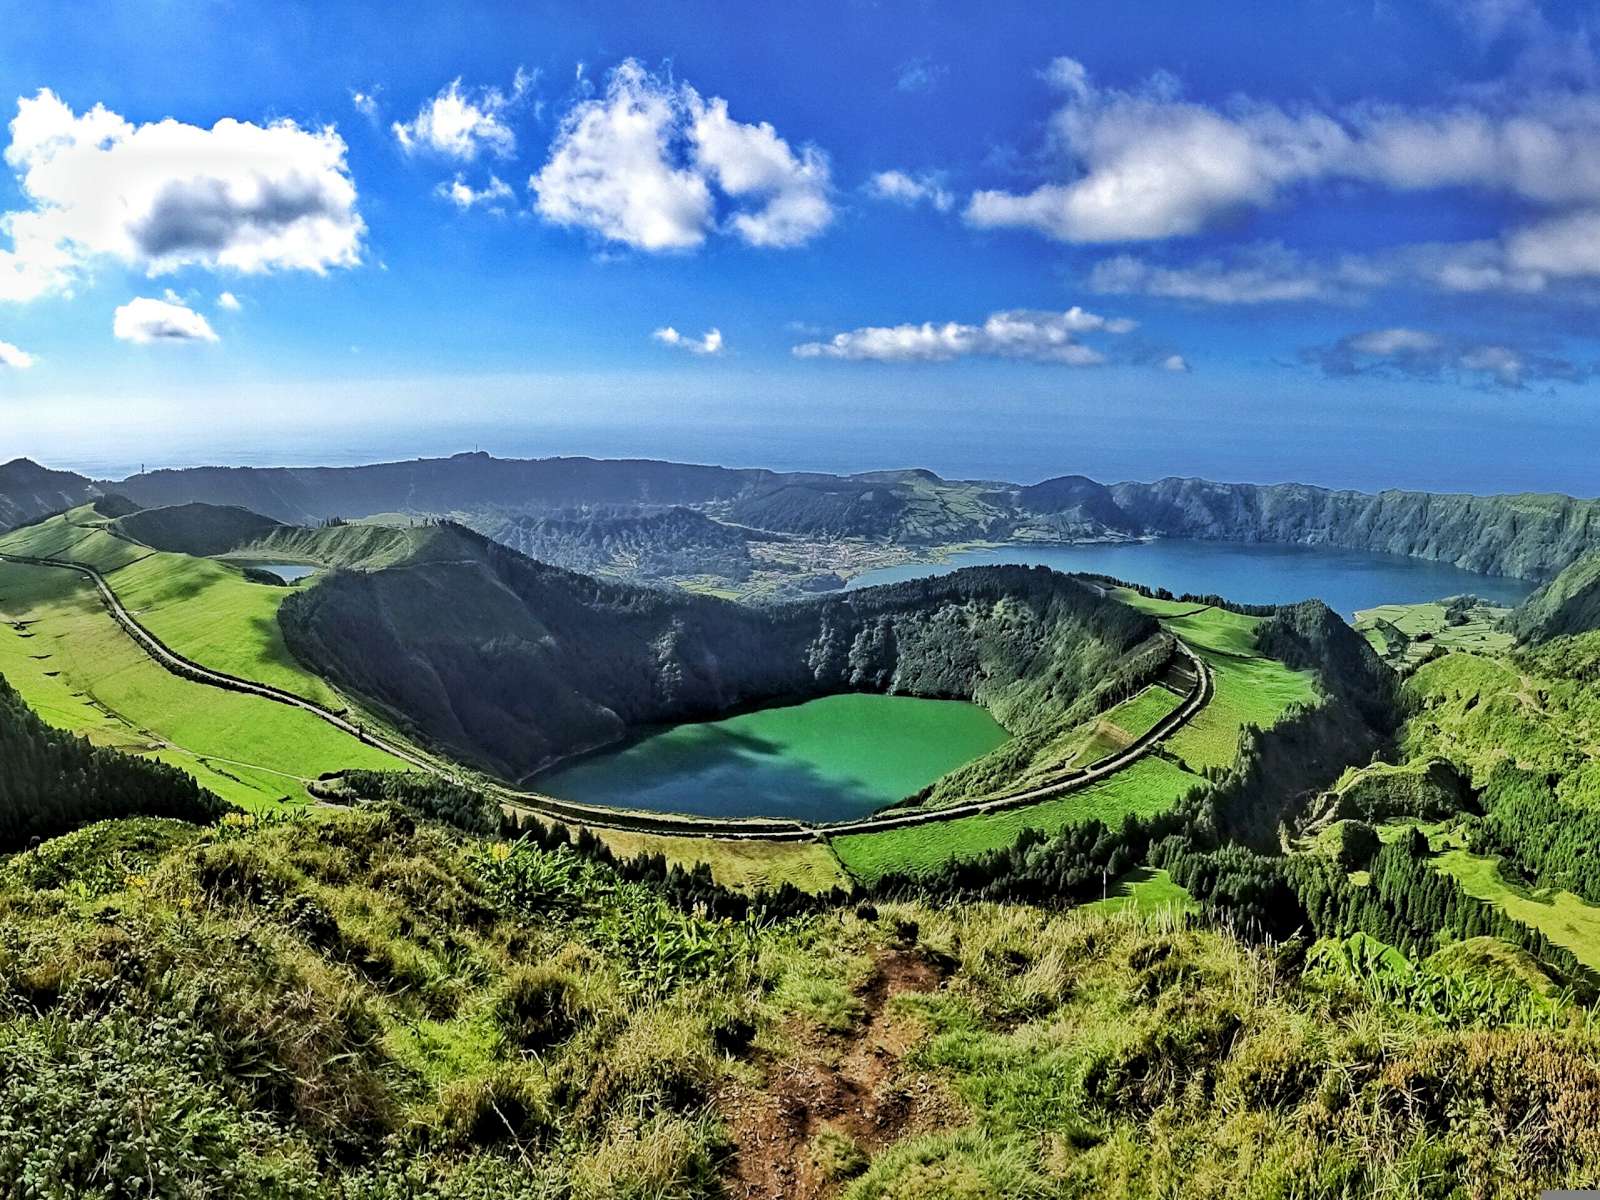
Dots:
pixel 461 483
pixel 668 542
pixel 29 491
pixel 1531 536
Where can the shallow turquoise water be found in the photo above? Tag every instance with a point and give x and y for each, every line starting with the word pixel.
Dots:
pixel 825 760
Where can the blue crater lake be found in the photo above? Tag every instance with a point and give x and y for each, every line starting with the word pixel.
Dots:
pixel 1346 580
pixel 288 572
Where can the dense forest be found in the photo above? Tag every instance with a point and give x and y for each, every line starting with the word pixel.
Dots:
pixel 52 781
pixel 513 663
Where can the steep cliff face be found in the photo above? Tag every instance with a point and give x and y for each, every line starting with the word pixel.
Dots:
pixel 1568 604
pixel 1530 536
pixel 512 663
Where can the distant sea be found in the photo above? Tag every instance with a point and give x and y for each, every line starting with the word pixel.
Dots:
pixel 1002 451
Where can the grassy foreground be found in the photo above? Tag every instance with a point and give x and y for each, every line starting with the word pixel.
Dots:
pixel 356 1006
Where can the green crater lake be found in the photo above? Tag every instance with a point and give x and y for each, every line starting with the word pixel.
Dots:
pixel 829 759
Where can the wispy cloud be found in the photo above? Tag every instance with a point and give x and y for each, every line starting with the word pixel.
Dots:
pixel 709 343
pixel 903 187
pixel 920 74
pixel 461 123
pixel 1422 354
pixel 1048 337
pixel 1147 164
pixel 463 195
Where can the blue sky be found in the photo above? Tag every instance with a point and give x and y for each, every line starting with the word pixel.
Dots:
pixel 1355 244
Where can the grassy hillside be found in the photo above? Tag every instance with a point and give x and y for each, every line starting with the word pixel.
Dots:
pixel 1568 604
pixel 1250 688
pixel 206 611
pixel 61 649
pixel 355 1006
pixel 1149 786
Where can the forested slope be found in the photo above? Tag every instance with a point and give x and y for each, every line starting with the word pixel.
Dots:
pixel 195 528
pixel 512 663
pixel 1568 604
pixel 52 781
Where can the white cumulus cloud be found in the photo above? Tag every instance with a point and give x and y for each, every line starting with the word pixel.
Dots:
pixel 15 359
pixel 708 343
pixel 1147 164
pixel 1175 362
pixel 164 195
pixel 229 302
pixel 1017 333
pixel 144 320
pixel 462 122
pixel 902 187
pixel 464 196
pixel 655 166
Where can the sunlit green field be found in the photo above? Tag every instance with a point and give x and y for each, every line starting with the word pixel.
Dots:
pixel 83 672
pixel 1148 786
pixel 1146 891
pixel 212 614
pixel 204 610
pixel 1139 714
pixel 1249 689
pixel 1561 916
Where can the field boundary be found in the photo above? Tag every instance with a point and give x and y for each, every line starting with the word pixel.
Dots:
pixel 603 817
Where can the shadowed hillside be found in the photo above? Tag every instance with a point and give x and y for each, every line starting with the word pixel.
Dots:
pixel 199 529
pixel 515 663
pixel 29 491
pixel 673 541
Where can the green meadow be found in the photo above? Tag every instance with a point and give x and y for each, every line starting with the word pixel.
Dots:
pixel 84 673
pixel 1146 787
pixel 1249 688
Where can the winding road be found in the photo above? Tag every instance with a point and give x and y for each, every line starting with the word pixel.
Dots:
pixel 603 817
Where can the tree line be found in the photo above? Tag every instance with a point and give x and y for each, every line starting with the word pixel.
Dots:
pixel 52 782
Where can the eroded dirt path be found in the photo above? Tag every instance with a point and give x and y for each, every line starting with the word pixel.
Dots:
pixel 854 1084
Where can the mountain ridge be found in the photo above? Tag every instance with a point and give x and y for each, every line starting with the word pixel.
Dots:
pixel 1528 535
